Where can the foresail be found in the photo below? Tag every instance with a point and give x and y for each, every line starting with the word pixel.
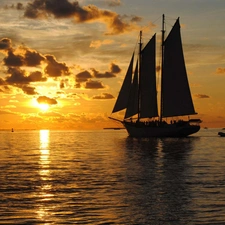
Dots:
pixel 132 106
pixel 176 95
pixel 148 92
pixel 123 97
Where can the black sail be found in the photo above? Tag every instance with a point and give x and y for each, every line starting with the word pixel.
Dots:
pixel 176 95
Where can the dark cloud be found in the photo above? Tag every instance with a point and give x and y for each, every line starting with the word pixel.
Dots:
pixel 33 58
pixel 54 68
pixel 103 75
pixel 36 76
pixel 62 85
pixel 28 90
pixel 5 44
pixel 46 100
pixel 201 96
pixel 108 74
pixel 103 96
pixel 13 60
pixel 66 9
pixel 86 76
pixel 17 76
pixel 83 76
pixel 30 58
pixel 115 68
pixel 94 85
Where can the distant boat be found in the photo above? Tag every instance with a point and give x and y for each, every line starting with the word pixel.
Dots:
pixel 138 94
pixel 221 134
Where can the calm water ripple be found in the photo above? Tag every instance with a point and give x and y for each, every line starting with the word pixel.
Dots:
pixel 104 177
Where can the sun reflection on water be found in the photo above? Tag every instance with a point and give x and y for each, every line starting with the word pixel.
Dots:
pixel 44 154
pixel 45 194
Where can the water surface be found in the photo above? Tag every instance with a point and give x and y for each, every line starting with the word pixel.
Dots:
pixel 104 177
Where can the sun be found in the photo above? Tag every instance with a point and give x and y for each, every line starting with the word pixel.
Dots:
pixel 43 107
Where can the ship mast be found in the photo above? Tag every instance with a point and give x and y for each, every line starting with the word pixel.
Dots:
pixel 139 72
pixel 162 67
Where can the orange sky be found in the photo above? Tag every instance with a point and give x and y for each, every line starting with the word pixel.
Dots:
pixel 62 63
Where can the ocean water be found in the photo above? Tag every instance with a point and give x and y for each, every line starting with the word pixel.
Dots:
pixel 105 177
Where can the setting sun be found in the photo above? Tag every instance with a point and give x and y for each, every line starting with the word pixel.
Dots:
pixel 43 107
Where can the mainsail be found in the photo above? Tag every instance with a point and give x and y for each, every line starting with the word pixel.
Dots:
pixel 176 95
pixel 148 93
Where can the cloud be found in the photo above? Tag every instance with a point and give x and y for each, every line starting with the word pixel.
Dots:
pixel 103 96
pixel 46 100
pixel 114 3
pixel 13 60
pixel 83 76
pixel 54 68
pixel 114 69
pixel 220 71
pixel 90 13
pixel 106 74
pixel 26 57
pixel 18 76
pixel 201 96
pixel 86 76
pixel 94 85
pixel 5 112
pixel 62 84
pixel 2 82
pixel 33 58
pixel 23 56
pixel 5 44
pixel 37 76
pixel 28 90
pixel 98 43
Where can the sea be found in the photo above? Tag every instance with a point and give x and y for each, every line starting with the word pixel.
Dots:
pixel 104 177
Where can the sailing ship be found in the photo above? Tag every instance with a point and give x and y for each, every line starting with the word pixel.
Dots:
pixel 138 94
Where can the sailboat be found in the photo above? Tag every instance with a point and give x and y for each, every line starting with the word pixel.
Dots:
pixel 138 95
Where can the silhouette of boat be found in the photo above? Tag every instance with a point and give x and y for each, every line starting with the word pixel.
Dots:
pixel 138 94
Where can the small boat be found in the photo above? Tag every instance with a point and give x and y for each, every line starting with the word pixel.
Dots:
pixel 221 134
pixel 139 96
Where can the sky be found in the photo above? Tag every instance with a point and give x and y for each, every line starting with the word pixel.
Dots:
pixel 63 61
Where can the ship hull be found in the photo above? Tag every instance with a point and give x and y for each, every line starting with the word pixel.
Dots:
pixel 168 130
